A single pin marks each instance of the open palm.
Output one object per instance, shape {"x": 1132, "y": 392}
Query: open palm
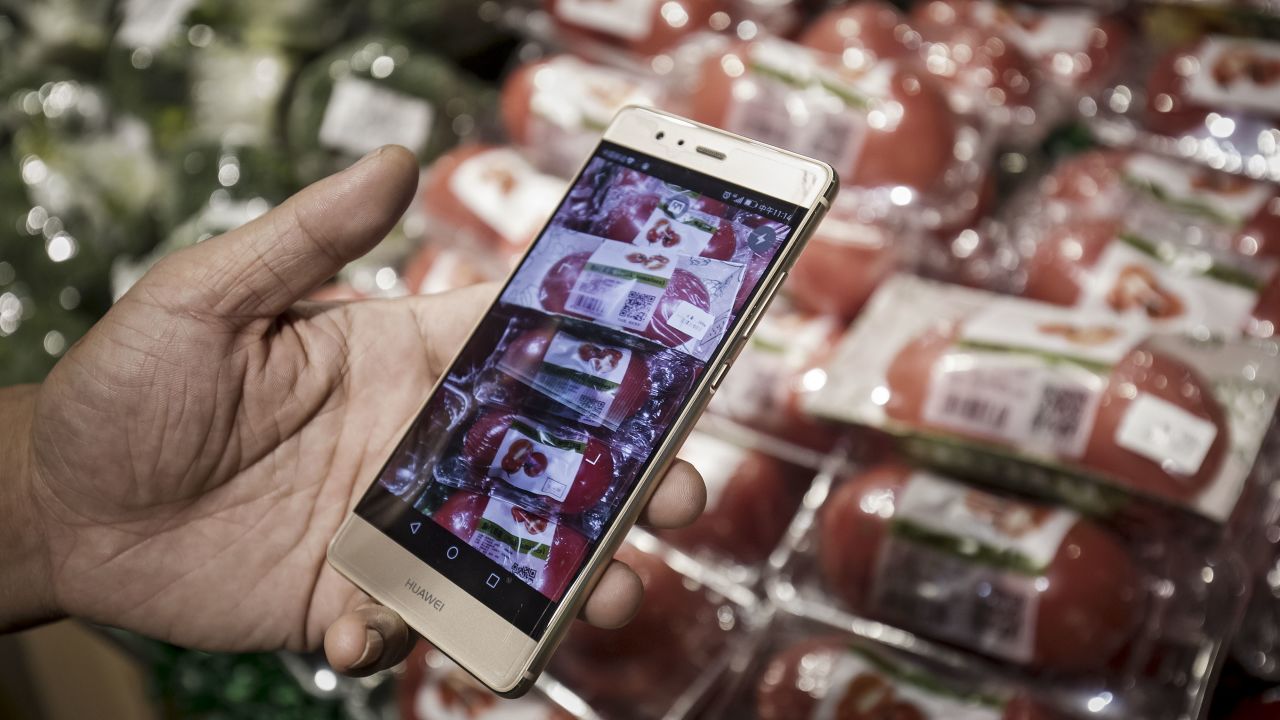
{"x": 193, "y": 455}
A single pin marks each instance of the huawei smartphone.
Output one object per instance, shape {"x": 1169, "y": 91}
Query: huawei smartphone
{"x": 517, "y": 480}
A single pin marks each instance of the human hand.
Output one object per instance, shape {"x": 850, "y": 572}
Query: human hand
{"x": 190, "y": 459}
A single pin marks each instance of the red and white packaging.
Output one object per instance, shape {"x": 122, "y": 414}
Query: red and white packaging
{"x": 540, "y": 552}
{"x": 1107, "y": 409}
{"x": 678, "y": 642}
{"x": 487, "y": 196}
{"x": 885, "y": 128}
{"x": 1224, "y": 211}
{"x": 1024, "y": 583}
{"x": 1215, "y": 100}
{"x": 640, "y": 28}
{"x": 1141, "y": 268}
{"x": 677, "y": 301}
{"x": 751, "y": 497}
{"x": 846, "y": 260}
{"x": 553, "y": 468}
{"x": 556, "y": 108}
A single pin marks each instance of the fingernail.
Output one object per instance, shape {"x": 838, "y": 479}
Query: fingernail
{"x": 369, "y": 156}
{"x": 372, "y": 649}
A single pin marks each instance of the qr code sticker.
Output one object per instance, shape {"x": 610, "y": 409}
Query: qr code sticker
{"x": 636, "y": 309}
{"x": 1061, "y": 412}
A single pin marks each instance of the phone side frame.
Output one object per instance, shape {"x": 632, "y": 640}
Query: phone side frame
{"x": 356, "y": 543}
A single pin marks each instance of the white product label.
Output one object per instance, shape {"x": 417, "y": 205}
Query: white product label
{"x": 716, "y": 460}
{"x": 506, "y": 192}
{"x": 577, "y": 96}
{"x": 788, "y": 99}
{"x": 855, "y": 687}
{"x": 534, "y": 460}
{"x": 1223, "y": 197}
{"x": 1237, "y": 73}
{"x": 1097, "y": 338}
{"x": 362, "y": 117}
{"x": 691, "y": 320}
{"x": 583, "y": 375}
{"x": 1178, "y": 294}
{"x": 673, "y": 228}
{"x": 148, "y": 23}
{"x": 621, "y": 284}
{"x": 1014, "y": 533}
{"x": 630, "y": 19}
{"x": 1165, "y": 433}
{"x": 1042, "y": 407}
{"x": 515, "y": 539}
{"x": 1038, "y": 33}
{"x": 965, "y": 565}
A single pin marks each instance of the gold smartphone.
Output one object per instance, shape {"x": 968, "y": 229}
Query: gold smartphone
{"x": 511, "y": 489}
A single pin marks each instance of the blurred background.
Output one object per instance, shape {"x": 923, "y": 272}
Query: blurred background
{"x": 994, "y": 147}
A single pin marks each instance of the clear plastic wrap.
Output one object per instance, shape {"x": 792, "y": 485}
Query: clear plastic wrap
{"x": 1171, "y": 244}
{"x": 885, "y": 127}
{"x": 1214, "y": 98}
{"x": 1077, "y": 615}
{"x": 662, "y": 664}
{"x": 1078, "y": 406}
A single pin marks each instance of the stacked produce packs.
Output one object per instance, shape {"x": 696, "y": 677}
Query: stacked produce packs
{"x": 1004, "y": 448}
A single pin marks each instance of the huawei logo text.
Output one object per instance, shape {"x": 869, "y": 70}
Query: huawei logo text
{"x": 423, "y": 593}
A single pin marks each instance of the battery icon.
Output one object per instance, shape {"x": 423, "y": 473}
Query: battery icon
{"x": 749, "y": 203}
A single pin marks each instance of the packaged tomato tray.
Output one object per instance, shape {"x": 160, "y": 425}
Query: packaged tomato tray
{"x": 1083, "y": 407}
{"x": 1064, "y": 611}
{"x": 662, "y": 665}
{"x": 1214, "y": 99}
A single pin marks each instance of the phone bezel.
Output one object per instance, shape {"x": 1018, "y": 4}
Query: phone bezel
{"x": 482, "y": 642}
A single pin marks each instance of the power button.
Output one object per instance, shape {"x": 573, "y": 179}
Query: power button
{"x": 718, "y": 375}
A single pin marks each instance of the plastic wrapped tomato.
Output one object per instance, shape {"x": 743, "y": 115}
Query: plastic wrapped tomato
{"x": 1022, "y": 582}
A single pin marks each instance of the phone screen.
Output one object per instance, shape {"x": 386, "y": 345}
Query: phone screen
{"x": 519, "y": 462}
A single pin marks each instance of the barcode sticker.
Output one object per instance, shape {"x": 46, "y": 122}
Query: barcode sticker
{"x": 362, "y": 117}
{"x": 1041, "y": 407}
{"x": 620, "y": 284}
{"x": 630, "y": 19}
{"x": 1165, "y": 433}
{"x": 917, "y": 586}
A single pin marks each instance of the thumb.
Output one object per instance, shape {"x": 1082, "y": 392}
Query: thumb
{"x": 259, "y": 270}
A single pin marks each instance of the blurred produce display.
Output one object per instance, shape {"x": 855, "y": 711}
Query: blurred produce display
{"x": 1005, "y": 448}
